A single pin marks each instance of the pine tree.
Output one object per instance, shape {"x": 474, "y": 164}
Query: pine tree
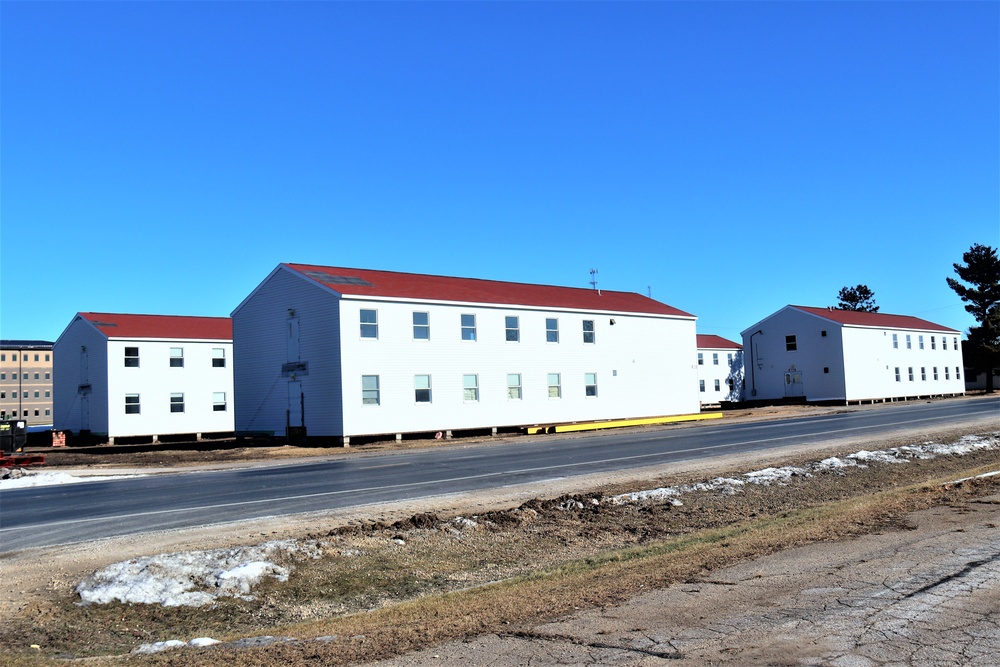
{"x": 857, "y": 298}
{"x": 981, "y": 272}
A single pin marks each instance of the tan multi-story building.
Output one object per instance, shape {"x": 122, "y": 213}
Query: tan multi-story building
{"x": 26, "y": 381}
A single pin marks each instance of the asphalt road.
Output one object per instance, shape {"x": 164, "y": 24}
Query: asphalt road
{"x": 65, "y": 514}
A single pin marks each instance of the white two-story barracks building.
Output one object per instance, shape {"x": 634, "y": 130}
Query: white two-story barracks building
{"x": 831, "y": 355}
{"x": 142, "y": 376}
{"x": 334, "y": 353}
{"x": 720, "y": 370}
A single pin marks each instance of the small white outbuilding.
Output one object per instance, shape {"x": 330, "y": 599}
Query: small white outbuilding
{"x": 843, "y": 356}
{"x": 143, "y": 376}
{"x": 327, "y": 352}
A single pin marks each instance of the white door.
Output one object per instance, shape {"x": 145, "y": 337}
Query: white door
{"x": 793, "y": 384}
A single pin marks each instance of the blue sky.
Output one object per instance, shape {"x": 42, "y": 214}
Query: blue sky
{"x": 728, "y": 158}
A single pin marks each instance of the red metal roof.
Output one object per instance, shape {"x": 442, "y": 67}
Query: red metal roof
{"x": 884, "y": 320}
{"x": 118, "y": 325}
{"x": 367, "y": 282}
{"x": 707, "y": 341}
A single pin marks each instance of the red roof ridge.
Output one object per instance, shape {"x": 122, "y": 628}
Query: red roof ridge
{"x": 864, "y": 318}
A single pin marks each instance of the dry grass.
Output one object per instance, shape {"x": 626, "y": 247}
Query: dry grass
{"x": 541, "y": 560}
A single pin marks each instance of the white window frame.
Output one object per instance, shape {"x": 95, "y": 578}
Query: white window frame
{"x": 219, "y": 401}
{"x": 701, "y": 386}
{"x": 899, "y": 378}
{"x": 418, "y": 389}
{"x": 177, "y": 357}
{"x": 555, "y": 385}
{"x": 131, "y": 360}
{"x": 895, "y": 341}
{"x": 715, "y": 358}
{"x": 590, "y": 385}
{"x": 177, "y": 401}
{"x": 589, "y": 332}
{"x": 133, "y": 401}
{"x": 369, "y": 329}
{"x": 421, "y": 330}
{"x": 468, "y": 330}
{"x": 370, "y": 395}
{"x": 470, "y": 388}
{"x": 512, "y": 334}
{"x": 514, "y": 390}
{"x": 551, "y": 329}
{"x": 701, "y": 358}
{"x": 218, "y": 357}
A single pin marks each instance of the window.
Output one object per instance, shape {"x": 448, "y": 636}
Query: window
{"x": 715, "y": 358}
{"x": 132, "y": 357}
{"x": 26, "y": 393}
{"x": 933, "y": 343}
{"x": 47, "y": 411}
{"x": 36, "y": 413}
{"x": 555, "y": 385}
{"x": 3, "y": 357}
{"x": 36, "y": 376}
{"x": 421, "y": 326}
{"x": 422, "y": 388}
{"x": 48, "y": 394}
{"x": 470, "y": 387}
{"x": 946, "y": 373}
{"x": 177, "y": 402}
{"x": 920, "y": 342}
{"x": 3, "y": 376}
{"x": 910, "y": 370}
{"x": 36, "y": 394}
{"x": 513, "y": 328}
{"x": 131, "y": 404}
{"x": 468, "y": 326}
{"x": 551, "y": 330}
{"x": 729, "y": 359}
{"x": 514, "y": 386}
{"x": 46, "y": 359}
{"x": 935, "y": 373}
{"x": 717, "y": 386}
{"x": 588, "y": 331}
{"x": 701, "y": 386}
{"x": 218, "y": 401}
{"x": 177, "y": 357}
{"x": 701, "y": 359}
{"x": 590, "y": 379}
{"x": 218, "y": 357}
{"x": 897, "y": 374}
{"x": 36, "y": 357}
{"x": 955, "y": 343}
{"x": 370, "y": 391}
{"x": 24, "y": 377}
{"x": 369, "y": 323}
{"x": 3, "y": 394}
{"x": 958, "y": 373}
{"x": 895, "y": 341}
{"x": 790, "y": 344}
{"x": 923, "y": 373}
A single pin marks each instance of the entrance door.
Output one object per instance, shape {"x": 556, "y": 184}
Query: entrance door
{"x": 793, "y": 384}
{"x": 295, "y": 404}
{"x": 83, "y": 391}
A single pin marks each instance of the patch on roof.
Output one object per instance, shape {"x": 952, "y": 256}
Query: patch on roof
{"x": 98, "y": 323}
{"x": 328, "y": 279}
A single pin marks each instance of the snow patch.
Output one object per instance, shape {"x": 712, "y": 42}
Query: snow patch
{"x": 32, "y": 479}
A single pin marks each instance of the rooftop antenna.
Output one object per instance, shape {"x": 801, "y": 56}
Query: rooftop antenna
{"x": 593, "y": 281}
{"x": 649, "y": 291}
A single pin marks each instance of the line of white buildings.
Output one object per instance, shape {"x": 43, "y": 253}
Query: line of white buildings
{"x": 330, "y": 354}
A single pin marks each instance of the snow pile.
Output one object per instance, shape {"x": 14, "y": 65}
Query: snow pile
{"x": 728, "y": 486}
{"x": 193, "y": 578}
{"x": 32, "y": 479}
{"x": 147, "y": 649}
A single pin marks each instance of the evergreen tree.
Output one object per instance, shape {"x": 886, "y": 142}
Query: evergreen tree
{"x": 981, "y": 294}
{"x": 857, "y": 298}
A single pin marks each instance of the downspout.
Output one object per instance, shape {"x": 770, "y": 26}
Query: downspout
{"x": 753, "y": 361}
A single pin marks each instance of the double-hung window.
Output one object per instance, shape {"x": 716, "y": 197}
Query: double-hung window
{"x": 513, "y": 328}
{"x": 218, "y": 401}
{"x": 131, "y": 404}
{"x": 218, "y": 357}
{"x": 468, "y": 326}
{"x": 701, "y": 386}
{"x": 514, "y": 386}
{"x": 895, "y": 341}
{"x": 177, "y": 357}
{"x": 790, "y": 344}
{"x": 369, "y": 323}
{"x": 701, "y": 359}
{"x": 588, "y": 331}
{"x": 910, "y": 372}
{"x": 909, "y": 345}
{"x": 177, "y": 402}
{"x": 131, "y": 357}
{"x": 370, "y": 390}
{"x": 555, "y": 385}
{"x": 897, "y": 375}
{"x": 551, "y": 330}
{"x": 422, "y": 388}
{"x": 590, "y": 380}
{"x": 421, "y": 326}
{"x": 920, "y": 342}
{"x": 717, "y": 386}
{"x": 715, "y": 358}
{"x": 470, "y": 388}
